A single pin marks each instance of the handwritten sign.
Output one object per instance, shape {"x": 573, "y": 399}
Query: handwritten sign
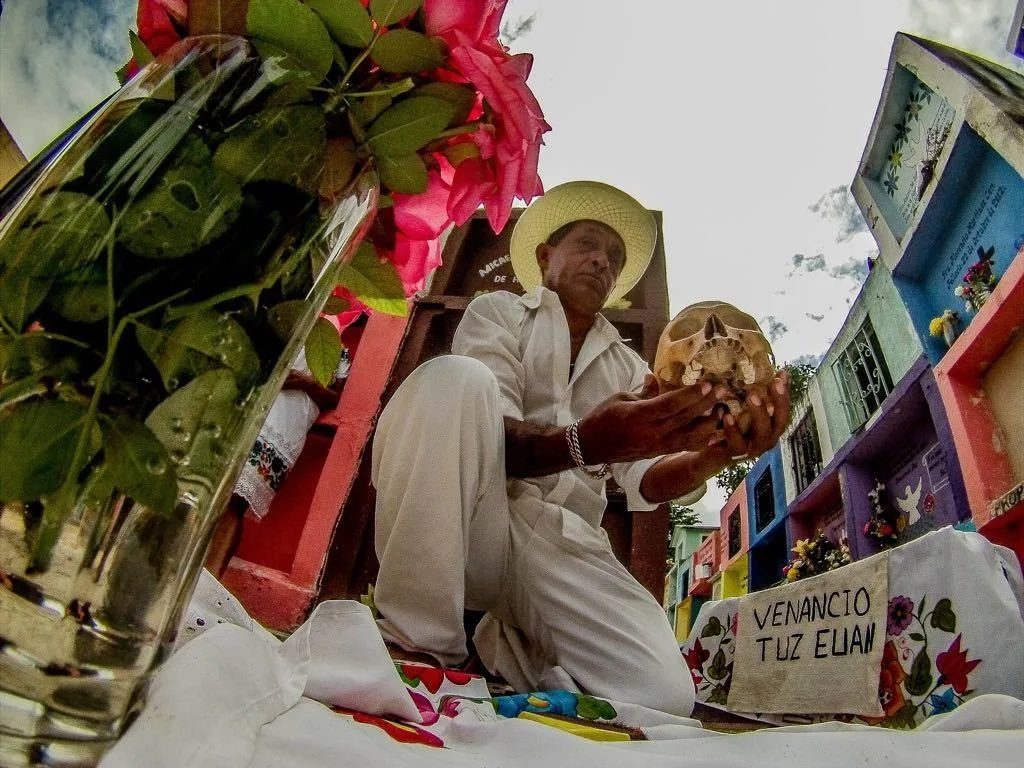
{"x": 814, "y": 646}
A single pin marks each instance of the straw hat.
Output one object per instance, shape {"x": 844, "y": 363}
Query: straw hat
{"x": 576, "y": 200}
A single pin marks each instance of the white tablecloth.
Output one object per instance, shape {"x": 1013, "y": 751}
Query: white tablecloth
{"x": 233, "y": 696}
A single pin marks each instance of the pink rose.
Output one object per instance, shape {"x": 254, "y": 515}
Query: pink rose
{"x": 160, "y": 23}
{"x": 424, "y": 216}
{"x": 478, "y": 21}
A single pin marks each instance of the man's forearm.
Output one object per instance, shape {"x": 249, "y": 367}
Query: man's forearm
{"x": 533, "y": 450}
{"x": 680, "y": 473}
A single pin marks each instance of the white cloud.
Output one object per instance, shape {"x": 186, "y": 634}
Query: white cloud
{"x": 57, "y": 61}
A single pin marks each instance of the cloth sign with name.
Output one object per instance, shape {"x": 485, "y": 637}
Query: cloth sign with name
{"x": 813, "y": 646}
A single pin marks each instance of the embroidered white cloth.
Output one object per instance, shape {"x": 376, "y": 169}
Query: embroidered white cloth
{"x": 953, "y": 629}
{"x": 234, "y": 698}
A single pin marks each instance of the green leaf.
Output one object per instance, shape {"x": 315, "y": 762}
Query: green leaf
{"x": 374, "y": 282}
{"x": 374, "y": 105}
{"x": 409, "y": 125}
{"x": 461, "y": 96}
{"x": 140, "y": 52}
{"x": 284, "y": 316}
{"x": 340, "y": 162}
{"x": 62, "y": 232}
{"x": 295, "y": 29}
{"x": 285, "y": 144}
{"x": 592, "y": 708}
{"x": 191, "y": 206}
{"x": 198, "y": 343}
{"x": 81, "y": 296}
{"x": 718, "y": 669}
{"x": 904, "y": 718}
{"x": 335, "y": 305}
{"x": 917, "y": 636}
{"x": 197, "y": 423}
{"x": 920, "y": 680}
{"x": 943, "y": 616}
{"x": 37, "y": 442}
{"x": 347, "y": 21}
{"x": 713, "y": 628}
{"x": 387, "y": 12}
{"x": 323, "y": 350}
{"x": 718, "y": 696}
{"x": 402, "y": 51}
{"x": 137, "y": 464}
{"x": 406, "y": 174}
{"x": 920, "y": 606}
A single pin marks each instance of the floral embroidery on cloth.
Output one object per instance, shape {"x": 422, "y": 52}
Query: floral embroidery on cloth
{"x": 925, "y": 668}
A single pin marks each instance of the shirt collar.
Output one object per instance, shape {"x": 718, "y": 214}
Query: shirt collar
{"x": 541, "y": 295}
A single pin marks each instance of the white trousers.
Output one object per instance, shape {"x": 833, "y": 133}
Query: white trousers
{"x": 449, "y": 538}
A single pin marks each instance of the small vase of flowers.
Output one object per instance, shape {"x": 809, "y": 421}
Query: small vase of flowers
{"x": 881, "y": 526}
{"x": 978, "y": 281}
{"x": 815, "y": 556}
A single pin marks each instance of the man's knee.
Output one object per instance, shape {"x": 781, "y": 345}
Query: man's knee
{"x": 669, "y": 687}
{"x": 457, "y": 372}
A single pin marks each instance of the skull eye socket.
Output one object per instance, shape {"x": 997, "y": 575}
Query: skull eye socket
{"x": 740, "y": 320}
{"x": 687, "y": 326}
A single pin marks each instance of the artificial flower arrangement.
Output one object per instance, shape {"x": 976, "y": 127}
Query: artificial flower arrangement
{"x": 422, "y": 91}
{"x": 178, "y": 242}
{"x": 978, "y": 281}
{"x": 944, "y": 325}
{"x": 814, "y": 556}
{"x": 882, "y": 525}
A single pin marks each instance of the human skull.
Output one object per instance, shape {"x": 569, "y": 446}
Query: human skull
{"x": 715, "y": 342}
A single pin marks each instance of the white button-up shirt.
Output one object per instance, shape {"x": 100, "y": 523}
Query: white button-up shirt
{"x": 524, "y": 341}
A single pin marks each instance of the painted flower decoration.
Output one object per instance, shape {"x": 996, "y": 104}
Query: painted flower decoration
{"x": 695, "y": 658}
{"x": 901, "y": 613}
{"x": 943, "y": 703}
{"x": 954, "y": 667}
{"x": 890, "y": 681}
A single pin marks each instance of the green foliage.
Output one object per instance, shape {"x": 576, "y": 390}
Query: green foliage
{"x": 294, "y": 28}
{"x": 799, "y": 380}
{"x": 403, "y": 51}
{"x": 375, "y": 282}
{"x": 730, "y": 477}
{"x": 323, "y": 350}
{"x": 409, "y": 125}
{"x": 389, "y": 11}
{"x": 38, "y": 441}
{"x": 347, "y": 21}
{"x": 406, "y": 174}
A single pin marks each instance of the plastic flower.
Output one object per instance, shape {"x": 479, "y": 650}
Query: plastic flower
{"x": 954, "y": 667}
{"x": 935, "y": 327}
{"x": 959, "y": 291}
{"x": 901, "y": 613}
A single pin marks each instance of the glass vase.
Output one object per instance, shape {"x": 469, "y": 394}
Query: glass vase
{"x": 156, "y": 281}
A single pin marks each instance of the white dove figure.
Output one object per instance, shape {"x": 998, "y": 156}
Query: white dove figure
{"x": 909, "y": 503}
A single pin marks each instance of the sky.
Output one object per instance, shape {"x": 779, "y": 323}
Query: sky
{"x": 742, "y": 121}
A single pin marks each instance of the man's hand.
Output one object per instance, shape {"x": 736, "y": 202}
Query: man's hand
{"x": 675, "y": 475}
{"x": 627, "y": 427}
{"x": 770, "y": 410}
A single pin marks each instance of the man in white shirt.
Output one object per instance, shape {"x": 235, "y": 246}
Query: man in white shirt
{"x": 490, "y": 467}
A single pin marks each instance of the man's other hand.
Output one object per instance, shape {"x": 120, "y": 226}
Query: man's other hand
{"x": 631, "y": 426}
